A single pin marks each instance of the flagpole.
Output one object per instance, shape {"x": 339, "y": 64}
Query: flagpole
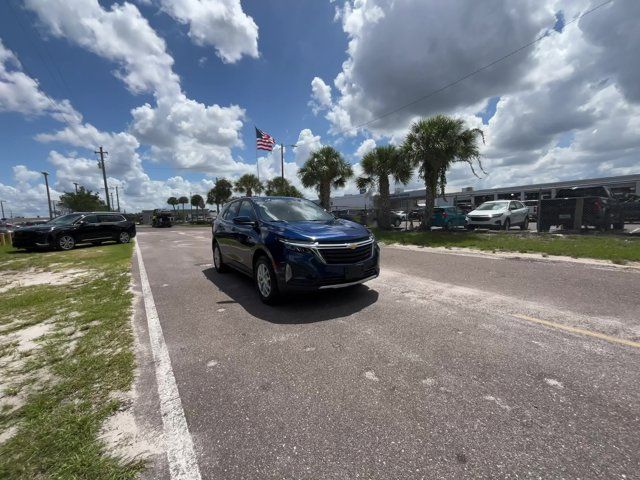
{"x": 257, "y": 166}
{"x": 282, "y": 160}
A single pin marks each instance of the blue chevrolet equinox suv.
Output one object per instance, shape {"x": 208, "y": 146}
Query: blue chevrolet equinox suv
{"x": 287, "y": 244}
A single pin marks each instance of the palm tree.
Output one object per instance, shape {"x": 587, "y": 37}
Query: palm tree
{"x": 183, "y": 201}
{"x": 324, "y": 169}
{"x": 248, "y": 184}
{"x": 377, "y": 166}
{"x": 197, "y": 201}
{"x": 433, "y": 145}
{"x": 281, "y": 187}
{"x": 173, "y": 201}
{"x": 220, "y": 193}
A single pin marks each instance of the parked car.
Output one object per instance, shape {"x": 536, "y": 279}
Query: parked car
{"x": 416, "y": 214}
{"x": 630, "y": 207}
{"x": 397, "y": 218}
{"x": 161, "y": 218}
{"x": 361, "y": 216}
{"x": 288, "y": 244}
{"x": 600, "y": 208}
{"x": 7, "y": 227}
{"x": 499, "y": 214}
{"x": 401, "y": 213}
{"x": 448, "y": 218}
{"x": 532, "y": 205}
{"x": 67, "y": 231}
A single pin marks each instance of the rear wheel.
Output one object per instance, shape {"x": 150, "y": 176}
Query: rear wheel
{"x": 218, "y": 262}
{"x": 124, "y": 237}
{"x": 266, "y": 282}
{"x": 66, "y": 242}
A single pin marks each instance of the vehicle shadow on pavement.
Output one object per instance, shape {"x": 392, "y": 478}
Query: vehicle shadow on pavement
{"x": 294, "y": 308}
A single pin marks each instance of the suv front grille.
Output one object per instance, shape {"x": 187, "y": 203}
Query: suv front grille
{"x": 347, "y": 254}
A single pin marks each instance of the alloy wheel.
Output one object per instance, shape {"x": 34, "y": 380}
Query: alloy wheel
{"x": 66, "y": 242}
{"x": 124, "y": 237}
{"x": 263, "y": 278}
{"x": 216, "y": 257}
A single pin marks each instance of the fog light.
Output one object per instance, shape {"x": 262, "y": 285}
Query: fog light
{"x": 287, "y": 273}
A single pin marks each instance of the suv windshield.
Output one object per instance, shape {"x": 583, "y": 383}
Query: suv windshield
{"x": 65, "y": 219}
{"x": 493, "y": 206}
{"x": 291, "y": 210}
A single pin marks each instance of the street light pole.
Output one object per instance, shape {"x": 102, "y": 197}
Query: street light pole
{"x": 46, "y": 182}
{"x": 2, "y": 207}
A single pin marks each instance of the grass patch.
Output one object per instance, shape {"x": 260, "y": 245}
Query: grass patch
{"x": 604, "y": 247}
{"x": 58, "y": 394}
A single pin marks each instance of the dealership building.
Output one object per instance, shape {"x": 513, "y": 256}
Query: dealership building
{"x": 407, "y": 200}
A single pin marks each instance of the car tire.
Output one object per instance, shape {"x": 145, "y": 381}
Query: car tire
{"x": 525, "y": 224}
{"x": 470, "y": 227}
{"x": 397, "y": 223}
{"x": 447, "y": 226}
{"x": 66, "y": 242}
{"x": 218, "y": 261}
{"x": 124, "y": 237}
{"x": 507, "y": 225}
{"x": 266, "y": 281}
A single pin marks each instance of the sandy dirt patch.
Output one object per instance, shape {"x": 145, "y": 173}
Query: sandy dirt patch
{"x": 30, "y": 278}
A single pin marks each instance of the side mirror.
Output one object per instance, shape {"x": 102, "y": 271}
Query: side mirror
{"x": 244, "y": 221}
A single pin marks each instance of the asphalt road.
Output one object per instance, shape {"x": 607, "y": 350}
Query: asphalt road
{"x": 437, "y": 369}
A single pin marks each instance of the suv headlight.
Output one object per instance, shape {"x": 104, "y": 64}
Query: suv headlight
{"x": 296, "y": 246}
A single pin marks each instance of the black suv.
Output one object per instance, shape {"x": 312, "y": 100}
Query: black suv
{"x": 68, "y": 230}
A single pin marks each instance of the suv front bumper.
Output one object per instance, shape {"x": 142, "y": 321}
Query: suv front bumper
{"x": 308, "y": 273}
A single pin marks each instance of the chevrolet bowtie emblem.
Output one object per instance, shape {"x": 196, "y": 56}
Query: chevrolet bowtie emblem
{"x": 351, "y": 246}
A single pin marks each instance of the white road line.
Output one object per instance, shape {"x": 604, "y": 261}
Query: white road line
{"x": 181, "y": 455}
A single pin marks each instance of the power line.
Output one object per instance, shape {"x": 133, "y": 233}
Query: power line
{"x": 468, "y": 75}
{"x": 60, "y": 79}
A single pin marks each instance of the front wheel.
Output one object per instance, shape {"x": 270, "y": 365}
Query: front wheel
{"x": 266, "y": 282}
{"x": 218, "y": 263}
{"x": 525, "y": 224}
{"x": 507, "y": 224}
{"x": 124, "y": 237}
{"x": 66, "y": 242}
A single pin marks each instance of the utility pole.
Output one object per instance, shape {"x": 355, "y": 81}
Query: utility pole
{"x": 111, "y": 193}
{"x": 76, "y": 185}
{"x": 46, "y": 182}
{"x": 282, "y": 160}
{"x": 118, "y": 198}
{"x": 102, "y": 153}
{"x": 2, "y": 207}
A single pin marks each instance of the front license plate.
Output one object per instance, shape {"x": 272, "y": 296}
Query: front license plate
{"x": 353, "y": 271}
{"x": 564, "y": 216}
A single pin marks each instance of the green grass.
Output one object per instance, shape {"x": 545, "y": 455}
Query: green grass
{"x": 67, "y": 385}
{"x": 604, "y": 247}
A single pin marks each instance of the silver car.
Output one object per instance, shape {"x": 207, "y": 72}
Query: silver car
{"x": 499, "y": 214}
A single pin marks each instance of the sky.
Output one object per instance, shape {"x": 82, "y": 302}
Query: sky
{"x": 172, "y": 89}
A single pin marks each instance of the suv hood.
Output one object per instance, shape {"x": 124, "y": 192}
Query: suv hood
{"x": 485, "y": 213}
{"x": 37, "y": 228}
{"x": 331, "y": 230}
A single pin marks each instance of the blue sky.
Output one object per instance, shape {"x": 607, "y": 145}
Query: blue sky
{"x": 273, "y": 89}
{"x": 173, "y": 88}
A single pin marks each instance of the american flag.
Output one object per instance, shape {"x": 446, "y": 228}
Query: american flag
{"x": 264, "y": 141}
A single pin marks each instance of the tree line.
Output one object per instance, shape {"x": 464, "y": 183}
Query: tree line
{"x": 431, "y": 147}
